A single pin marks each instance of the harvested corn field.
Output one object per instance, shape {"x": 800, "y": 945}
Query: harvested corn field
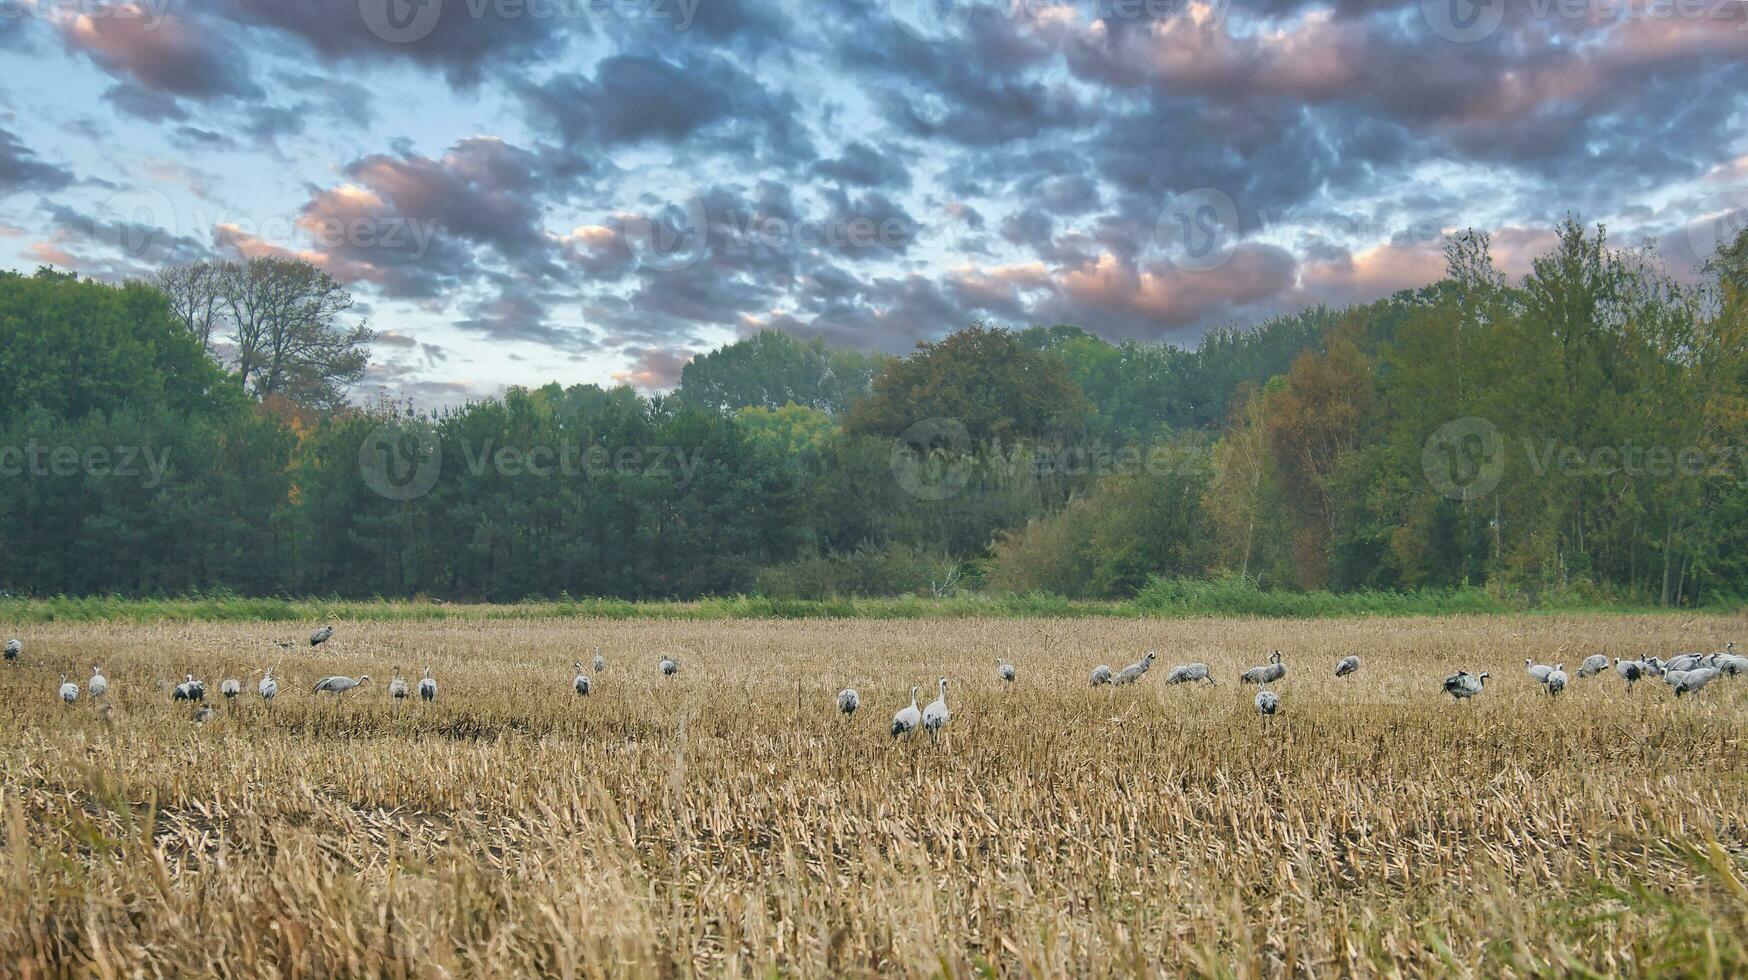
{"x": 730, "y": 819}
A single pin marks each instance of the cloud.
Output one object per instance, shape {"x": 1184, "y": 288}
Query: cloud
{"x": 698, "y": 98}
{"x": 179, "y": 56}
{"x": 23, "y": 170}
{"x": 653, "y": 368}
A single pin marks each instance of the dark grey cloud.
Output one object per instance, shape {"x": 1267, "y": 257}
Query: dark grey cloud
{"x": 22, "y": 170}
{"x": 864, "y": 165}
{"x": 456, "y": 43}
{"x": 696, "y": 98}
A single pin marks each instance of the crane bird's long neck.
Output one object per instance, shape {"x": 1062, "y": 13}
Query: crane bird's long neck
{"x": 913, "y": 697}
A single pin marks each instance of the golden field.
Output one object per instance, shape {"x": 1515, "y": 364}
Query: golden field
{"x": 730, "y": 821}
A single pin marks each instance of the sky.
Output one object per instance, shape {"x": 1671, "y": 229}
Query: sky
{"x": 592, "y": 191}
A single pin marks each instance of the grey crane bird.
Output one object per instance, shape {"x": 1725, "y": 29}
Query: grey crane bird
{"x": 1692, "y": 681}
{"x": 427, "y": 686}
{"x": 230, "y": 687}
{"x": 849, "y": 700}
{"x": 189, "y": 690}
{"x": 936, "y": 715}
{"x": 1686, "y": 661}
{"x": 581, "y": 682}
{"x": 1557, "y": 680}
{"x": 69, "y": 690}
{"x": 98, "y": 685}
{"x": 1347, "y": 665}
{"x": 670, "y": 666}
{"x": 1005, "y": 671}
{"x": 1463, "y": 685}
{"x": 202, "y": 714}
{"x": 339, "y": 683}
{"x": 1133, "y": 672}
{"x": 1189, "y": 673}
{"x": 1651, "y": 666}
{"x": 907, "y": 719}
{"x": 268, "y": 688}
{"x": 13, "y": 648}
{"x": 1267, "y": 703}
{"x": 1268, "y": 673}
{"x": 1594, "y": 664}
{"x": 1101, "y": 675}
{"x": 1630, "y": 670}
{"x": 322, "y": 635}
{"x": 600, "y": 661}
{"x": 1539, "y": 671}
{"x": 397, "y": 688}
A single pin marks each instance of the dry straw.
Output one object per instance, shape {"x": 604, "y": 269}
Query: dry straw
{"x": 705, "y": 824}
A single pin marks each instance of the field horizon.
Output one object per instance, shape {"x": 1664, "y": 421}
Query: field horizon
{"x": 729, "y": 820}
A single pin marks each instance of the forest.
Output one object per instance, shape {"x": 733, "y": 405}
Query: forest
{"x": 1580, "y": 432}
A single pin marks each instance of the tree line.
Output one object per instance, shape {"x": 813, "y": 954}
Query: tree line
{"x": 1579, "y": 431}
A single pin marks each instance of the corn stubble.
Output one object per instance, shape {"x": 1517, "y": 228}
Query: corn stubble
{"x": 730, "y": 821}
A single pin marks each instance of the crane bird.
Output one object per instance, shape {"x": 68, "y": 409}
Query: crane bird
{"x": 670, "y": 666}
{"x": 69, "y": 690}
{"x": 849, "y": 700}
{"x": 189, "y": 690}
{"x": 427, "y": 686}
{"x": 1347, "y": 665}
{"x": 1268, "y": 673}
{"x": 339, "y": 683}
{"x": 13, "y": 649}
{"x": 1267, "y": 704}
{"x": 321, "y": 636}
{"x": 1463, "y": 685}
{"x": 1693, "y": 681}
{"x": 1557, "y": 680}
{"x": 1630, "y": 670}
{"x": 1651, "y": 667}
{"x": 1539, "y": 671}
{"x": 1594, "y": 664}
{"x": 907, "y": 719}
{"x": 1101, "y": 675}
{"x": 936, "y": 715}
{"x": 1686, "y": 661}
{"x": 397, "y": 688}
{"x": 1005, "y": 670}
{"x": 230, "y": 687}
{"x": 581, "y": 682}
{"x": 203, "y": 714}
{"x": 98, "y": 685}
{"x": 268, "y": 687}
{"x": 1131, "y": 673}
{"x": 600, "y": 661}
{"x": 1188, "y": 673}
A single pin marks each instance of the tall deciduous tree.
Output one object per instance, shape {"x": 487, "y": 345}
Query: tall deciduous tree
{"x": 196, "y": 295}
{"x": 996, "y": 387}
{"x": 284, "y": 317}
